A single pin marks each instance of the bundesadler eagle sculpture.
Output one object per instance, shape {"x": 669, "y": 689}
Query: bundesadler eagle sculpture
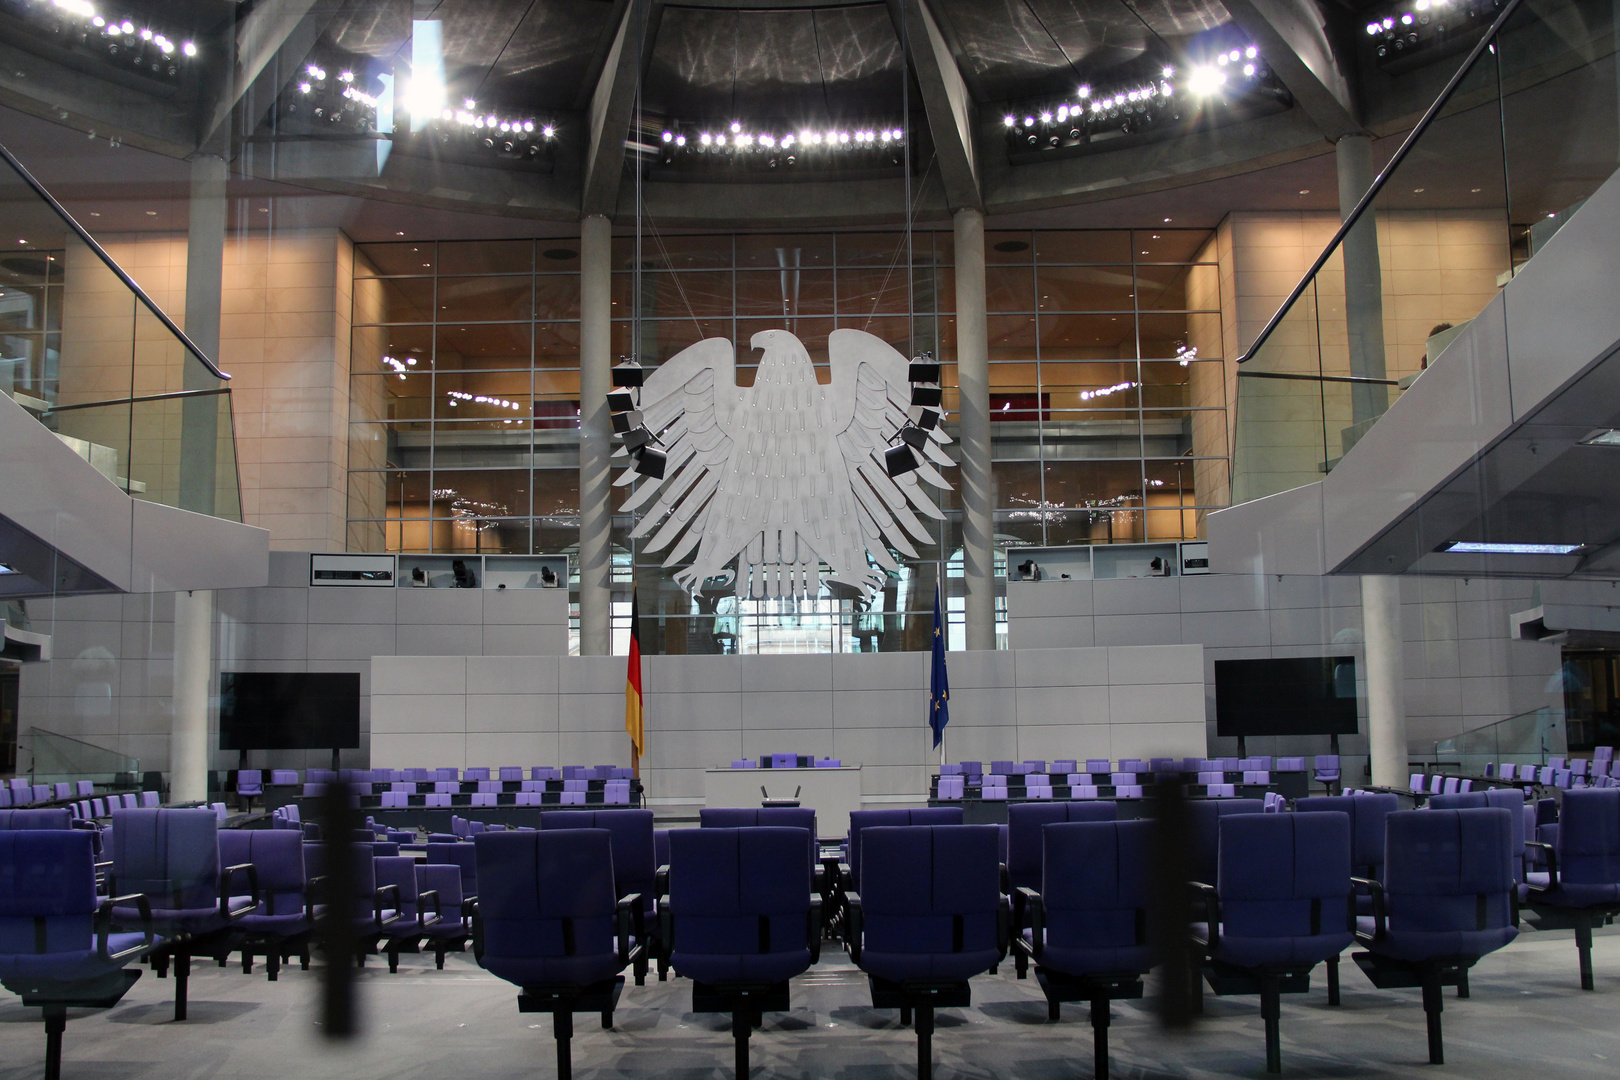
{"x": 787, "y": 476}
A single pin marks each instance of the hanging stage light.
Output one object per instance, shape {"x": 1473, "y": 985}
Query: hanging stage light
{"x": 927, "y": 396}
{"x": 928, "y": 419}
{"x": 914, "y": 437}
{"x": 621, "y": 401}
{"x": 650, "y": 462}
{"x": 626, "y": 422}
{"x": 628, "y": 372}
{"x": 636, "y": 437}
{"x": 924, "y": 369}
{"x": 899, "y": 460}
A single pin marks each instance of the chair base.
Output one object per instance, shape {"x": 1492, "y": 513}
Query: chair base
{"x": 921, "y": 997}
{"x": 1270, "y": 983}
{"x": 562, "y": 1002}
{"x": 1098, "y": 989}
{"x": 746, "y": 1002}
{"x": 1580, "y": 920}
{"x": 1387, "y": 973}
{"x": 55, "y": 998}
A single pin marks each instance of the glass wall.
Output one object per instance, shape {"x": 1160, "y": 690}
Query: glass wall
{"x": 1105, "y": 354}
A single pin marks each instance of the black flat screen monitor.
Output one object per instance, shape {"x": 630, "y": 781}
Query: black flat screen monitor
{"x": 1310, "y": 695}
{"x": 289, "y": 710}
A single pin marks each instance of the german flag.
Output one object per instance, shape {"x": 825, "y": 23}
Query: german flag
{"x": 632, "y": 683}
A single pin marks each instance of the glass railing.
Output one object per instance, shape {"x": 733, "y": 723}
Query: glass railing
{"x": 1526, "y": 739}
{"x": 59, "y": 758}
{"x": 89, "y": 353}
{"x": 1522, "y": 134}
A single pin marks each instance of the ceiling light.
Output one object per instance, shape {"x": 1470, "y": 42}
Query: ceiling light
{"x": 1480, "y": 547}
{"x": 1602, "y": 437}
{"x": 1205, "y": 81}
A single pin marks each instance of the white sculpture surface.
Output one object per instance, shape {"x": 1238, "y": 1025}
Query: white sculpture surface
{"x": 788, "y": 474}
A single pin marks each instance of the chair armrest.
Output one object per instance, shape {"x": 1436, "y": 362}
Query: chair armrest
{"x": 846, "y": 876}
{"x": 225, "y": 879}
{"x": 1211, "y": 899}
{"x": 104, "y": 925}
{"x": 812, "y": 930}
{"x": 438, "y": 907}
{"x": 1552, "y": 866}
{"x": 1034, "y": 920}
{"x": 661, "y": 881}
{"x": 377, "y": 902}
{"x": 313, "y": 887}
{"x": 628, "y": 918}
{"x": 666, "y": 927}
{"x": 1380, "y": 912}
{"x": 852, "y": 925}
{"x": 1006, "y": 879}
{"x": 1003, "y": 925}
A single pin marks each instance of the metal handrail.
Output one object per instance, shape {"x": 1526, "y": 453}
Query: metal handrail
{"x": 101, "y": 253}
{"x": 1304, "y": 377}
{"x": 1383, "y": 177}
{"x": 171, "y": 396}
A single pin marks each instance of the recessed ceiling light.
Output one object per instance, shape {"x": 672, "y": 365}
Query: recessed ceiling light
{"x": 1480, "y": 547}
{"x": 1167, "y": 221}
{"x": 399, "y": 234}
{"x": 1602, "y": 437}
{"x": 264, "y": 209}
{"x": 95, "y": 213}
{"x": 1418, "y": 190}
{"x": 1304, "y": 191}
{"x": 1474, "y": 190}
{"x": 151, "y": 213}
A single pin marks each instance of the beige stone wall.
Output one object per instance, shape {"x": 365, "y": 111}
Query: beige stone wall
{"x": 1208, "y": 379}
{"x": 1437, "y": 266}
{"x": 284, "y": 337}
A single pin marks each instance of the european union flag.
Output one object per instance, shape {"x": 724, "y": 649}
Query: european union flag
{"x": 939, "y": 687}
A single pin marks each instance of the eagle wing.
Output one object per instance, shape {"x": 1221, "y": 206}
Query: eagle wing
{"x": 871, "y": 393}
{"x": 689, "y": 402}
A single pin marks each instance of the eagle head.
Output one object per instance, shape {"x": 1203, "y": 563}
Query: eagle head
{"x": 785, "y": 361}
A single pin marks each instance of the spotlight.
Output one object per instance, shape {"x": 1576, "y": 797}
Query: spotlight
{"x": 928, "y": 419}
{"x": 627, "y": 373}
{"x": 899, "y": 460}
{"x": 927, "y": 396}
{"x": 924, "y": 369}
{"x": 621, "y": 401}
{"x": 651, "y": 462}
{"x": 914, "y": 437}
{"x": 636, "y": 437}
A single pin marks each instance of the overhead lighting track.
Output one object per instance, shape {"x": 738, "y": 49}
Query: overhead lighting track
{"x": 1416, "y": 33}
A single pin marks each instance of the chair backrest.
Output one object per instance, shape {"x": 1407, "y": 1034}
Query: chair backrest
{"x": 1024, "y": 824}
{"x": 170, "y": 855}
{"x": 1096, "y": 887}
{"x": 446, "y": 881}
{"x": 47, "y": 895}
{"x": 277, "y": 856}
{"x": 1588, "y": 845}
{"x": 249, "y": 781}
{"x": 1206, "y": 836}
{"x": 1448, "y": 882}
{"x": 1098, "y": 766}
{"x": 547, "y": 905}
{"x": 479, "y": 773}
{"x": 54, "y": 817}
{"x": 400, "y": 870}
{"x": 462, "y": 856}
{"x": 634, "y": 864}
{"x": 1327, "y": 766}
{"x": 1367, "y": 813}
{"x": 740, "y": 900}
{"x": 284, "y": 776}
{"x": 1290, "y": 764}
{"x": 930, "y": 894}
{"x": 865, "y": 819}
{"x": 748, "y": 817}
{"x": 1283, "y": 876}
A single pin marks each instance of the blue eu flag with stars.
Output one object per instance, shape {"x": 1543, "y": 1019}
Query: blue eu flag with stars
{"x": 939, "y": 686}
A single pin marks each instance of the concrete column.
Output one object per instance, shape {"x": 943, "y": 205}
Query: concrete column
{"x": 595, "y": 435}
{"x": 1386, "y": 679}
{"x": 205, "y": 275}
{"x": 193, "y": 674}
{"x": 973, "y": 418}
{"x": 1363, "y": 284}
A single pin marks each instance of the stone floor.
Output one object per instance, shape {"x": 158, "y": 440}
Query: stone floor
{"x": 1526, "y": 1014}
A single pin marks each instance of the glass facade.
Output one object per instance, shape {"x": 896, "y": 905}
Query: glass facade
{"x": 1107, "y": 396}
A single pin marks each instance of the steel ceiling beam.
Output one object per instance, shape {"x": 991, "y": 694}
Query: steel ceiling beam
{"x": 1299, "y": 41}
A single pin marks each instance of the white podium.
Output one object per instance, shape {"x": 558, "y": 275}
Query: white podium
{"x": 831, "y": 793}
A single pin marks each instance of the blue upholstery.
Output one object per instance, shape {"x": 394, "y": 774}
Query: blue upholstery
{"x": 863, "y": 819}
{"x": 1096, "y": 885}
{"x": 634, "y": 862}
{"x": 1368, "y": 813}
{"x": 1284, "y": 885}
{"x": 931, "y": 902}
{"x": 462, "y": 856}
{"x": 1024, "y": 829}
{"x": 47, "y": 912}
{"x": 1441, "y": 867}
{"x": 59, "y": 817}
{"x": 278, "y": 859}
{"x": 1587, "y": 852}
{"x": 172, "y": 856}
{"x": 547, "y": 906}
{"x": 739, "y": 904}
{"x": 1206, "y": 815}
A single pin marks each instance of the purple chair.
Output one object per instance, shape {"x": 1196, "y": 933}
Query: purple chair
{"x": 528, "y": 798}
{"x": 740, "y": 920}
{"x": 994, "y": 792}
{"x": 1003, "y": 768}
{"x": 249, "y": 786}
{"x": 1290, "y": 764}
{"x": 172, "y": 858}
{"x": 1581, "y": 886}
{"x": 952, "y": 787}
{"x": 551, "y": 922}
{"x": 745, "y": 763}
{"x": 1086, "y": 929}
{"x": 930, "y": 915}
{"x": 479, "y": 774}
{"x": 279, "y": 926}
{"x": 1133, "y": 765}
{"x": 1446, "y": 900}
{"x": 84, "y": 788}
{"x": 483, "y": 798}
{"x": 784, "y": 761}
{"x": 860, "y": 820}
{"x": 57, "y": 949}
{"x": 1024, "y": 825}
{"x": 635, "y": 866}
{"x": 446, "y": 787}
{"x": 828, "y": 763}
{"x": 511, "y": 774}
{"x": 544, "y": 772}
{"x": 1327, "y": 771}
{"x": 1280, "y": 906}
{"x": 404, "y": 934}
{"x": 446, "y": 775}
{"x": 395, "y": 800}
{"x": 284, "y": 777}
{"x": 463, "y": 857}
{"x": 616, "y": 792}
{"x": 443, "y": 884}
